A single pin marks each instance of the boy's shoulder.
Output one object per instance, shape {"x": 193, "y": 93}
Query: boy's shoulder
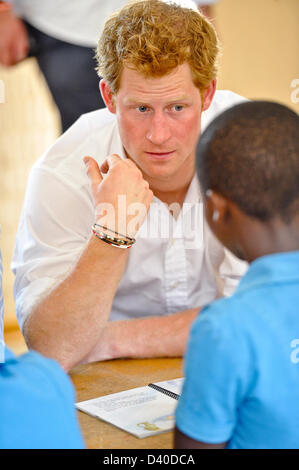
{"x": 35, "y": 393}
{"x": 231, "y": 308}
{"x": 269, "y": 289}
{"x": 232, "y": 318}
{"x": 26, "y": 370}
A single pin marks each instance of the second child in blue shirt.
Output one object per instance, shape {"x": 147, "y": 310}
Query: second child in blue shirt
{"x": 242, "y": 362}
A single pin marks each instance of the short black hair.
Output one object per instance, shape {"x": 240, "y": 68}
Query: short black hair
{"x": 250, "y": 154}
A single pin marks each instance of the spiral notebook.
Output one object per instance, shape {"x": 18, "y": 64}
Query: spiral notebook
{"x": 143, "y": 411}
{"x": 160, "y": 389}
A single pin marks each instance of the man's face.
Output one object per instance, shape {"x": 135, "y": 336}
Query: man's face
{"x": 159, "y": 121}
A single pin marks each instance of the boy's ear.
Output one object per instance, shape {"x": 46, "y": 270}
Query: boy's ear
{"x": 107, "y": 96}
{"x": 216, "y": 208}
{"x": 209, "y": 94}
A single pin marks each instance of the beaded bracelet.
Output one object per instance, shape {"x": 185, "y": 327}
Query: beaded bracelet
{"x": 118, "y": 242}
{"x": 131, "y": 240}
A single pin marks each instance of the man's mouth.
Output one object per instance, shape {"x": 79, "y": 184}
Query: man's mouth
{"x": 160, "y": 155}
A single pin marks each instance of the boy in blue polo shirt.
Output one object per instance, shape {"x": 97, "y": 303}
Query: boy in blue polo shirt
{"x": 37, "y": 408}
{"x": 242, "y": 362}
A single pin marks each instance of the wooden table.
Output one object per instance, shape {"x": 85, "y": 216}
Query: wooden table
{"x": 101, "y": 378}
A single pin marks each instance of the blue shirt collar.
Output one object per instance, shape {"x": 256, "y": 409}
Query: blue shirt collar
{"x": 275, "y": 268}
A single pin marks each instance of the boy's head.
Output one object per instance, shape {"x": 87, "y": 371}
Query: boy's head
{"x": 248, "y": 167}
{"x": 154, "y": 37}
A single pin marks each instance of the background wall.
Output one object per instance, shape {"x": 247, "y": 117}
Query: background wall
{"x": 259, "y": 60}
{"x": 260, "y": 41}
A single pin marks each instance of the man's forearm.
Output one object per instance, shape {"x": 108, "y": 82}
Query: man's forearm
{"x": 68, "y": 322}
{"x": 145, "y": 337}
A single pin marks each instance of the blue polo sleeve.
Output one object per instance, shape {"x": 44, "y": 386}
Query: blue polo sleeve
{"x": 216, "y": 365}
{"x": 37, "y": 405}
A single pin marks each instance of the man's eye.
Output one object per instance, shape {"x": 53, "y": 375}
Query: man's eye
{"x": 178, "y": 107}
{"x": 142, "y": 109}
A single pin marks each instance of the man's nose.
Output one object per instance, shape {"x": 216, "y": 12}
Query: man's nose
{"x": 159, "y": 130}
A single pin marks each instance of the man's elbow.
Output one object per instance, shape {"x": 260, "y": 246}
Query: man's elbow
{"x": 38, "y": 339}
{"x": 27, "y": 333}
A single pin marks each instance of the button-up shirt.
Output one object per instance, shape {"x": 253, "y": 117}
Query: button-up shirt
{"x": 176, "y": 264}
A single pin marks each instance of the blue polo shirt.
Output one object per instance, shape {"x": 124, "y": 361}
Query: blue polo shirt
{"x": 36, "y": 404}
{"x": 1, "y": 313}
{"x": 242, "y": 362}
{"x": 36, "y": 400}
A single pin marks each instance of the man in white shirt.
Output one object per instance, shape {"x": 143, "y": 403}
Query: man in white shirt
{"x": 159, "y": 86}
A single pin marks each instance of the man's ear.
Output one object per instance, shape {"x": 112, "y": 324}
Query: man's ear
{"x": 107, "y": 96}
{"x": 209, "y": 94}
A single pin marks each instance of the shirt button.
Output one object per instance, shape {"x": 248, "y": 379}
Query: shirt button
{"x": 175, "y": 284}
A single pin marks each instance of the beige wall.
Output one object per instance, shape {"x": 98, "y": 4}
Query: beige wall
{"x": 260, "y": 60}
{"x": 260, "y": 41}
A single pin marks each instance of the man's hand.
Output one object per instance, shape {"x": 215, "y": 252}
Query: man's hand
{"x": 122, "y": 198}
{"x": 14, "y": 43}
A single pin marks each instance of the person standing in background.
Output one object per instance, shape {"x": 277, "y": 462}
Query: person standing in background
{"x": 62, "y": 35}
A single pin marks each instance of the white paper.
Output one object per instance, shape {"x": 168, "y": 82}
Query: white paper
{"x": 141, "y": 411}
